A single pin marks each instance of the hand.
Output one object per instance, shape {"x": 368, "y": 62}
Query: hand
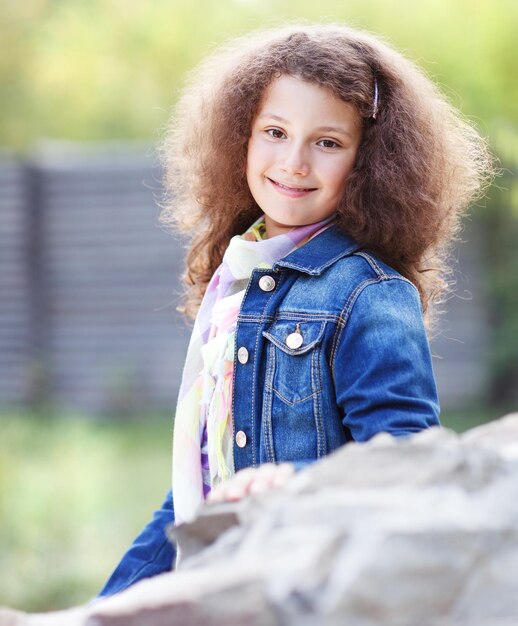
{"x": 251, "y": 480}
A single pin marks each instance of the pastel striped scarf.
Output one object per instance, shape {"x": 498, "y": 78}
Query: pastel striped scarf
{"x": 202, "y": 441}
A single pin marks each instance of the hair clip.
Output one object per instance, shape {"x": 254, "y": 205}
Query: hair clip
{"x": 375, "y": 100}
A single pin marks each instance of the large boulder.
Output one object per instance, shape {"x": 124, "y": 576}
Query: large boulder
{"x": 421, "y": 531}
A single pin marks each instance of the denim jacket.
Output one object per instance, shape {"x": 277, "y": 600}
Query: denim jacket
{"x": 330, "y": 348}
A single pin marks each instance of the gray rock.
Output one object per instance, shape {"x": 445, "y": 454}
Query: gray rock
{"x": 415, "y": 532}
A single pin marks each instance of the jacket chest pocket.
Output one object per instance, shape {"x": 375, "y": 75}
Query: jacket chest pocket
{"x": 293, "y": 370}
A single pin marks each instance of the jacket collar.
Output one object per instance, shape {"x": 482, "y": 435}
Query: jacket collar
{"x": 320, "y": 252}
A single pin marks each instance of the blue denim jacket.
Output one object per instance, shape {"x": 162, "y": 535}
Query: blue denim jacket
{"x": 330, "y": 347}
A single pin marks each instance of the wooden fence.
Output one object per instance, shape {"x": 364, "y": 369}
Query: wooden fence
{"x": 89, "y": 284}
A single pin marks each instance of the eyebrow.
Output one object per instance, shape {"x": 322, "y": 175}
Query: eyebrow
{"x": 322, "y": 129}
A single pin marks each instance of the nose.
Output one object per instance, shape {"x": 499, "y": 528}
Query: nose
{"x": 295, "y": 160}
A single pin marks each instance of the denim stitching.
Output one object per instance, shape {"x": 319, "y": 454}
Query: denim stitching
{"x": 243, "y": 318}
{"x": 252, "y": 317}
{"x": 324, "y": 435}
{"x": 295, "y": 353}
{"x": 291, "y": 351}
{"x": 239, "y": 318}
{"x": 305, "y": 315}
{"x": 254, "y": 368}
{"x": 372, "y": 262}
{"x": 347, "y": 309}
{"x": 294, "y": 402}
{"x": 268, "y": 401}
{"x": 317, "y": 412}
{"x": 254, "y": 371}
{"x": 317, "y": 271}
{"x": 289, "y": 315}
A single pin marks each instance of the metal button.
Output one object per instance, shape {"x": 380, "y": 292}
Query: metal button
{"x": 267, "y": 283}
{"x": 294, "y": 340}
{"x": 242, "y": 355}
{"x": 241, "y": 438}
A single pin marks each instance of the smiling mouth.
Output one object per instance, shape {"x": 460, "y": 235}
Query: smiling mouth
{"x": 292, "y": 190}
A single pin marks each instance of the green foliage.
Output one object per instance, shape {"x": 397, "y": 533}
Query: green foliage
{"x": 460, "y": 421}
{"x": 501, "y": 236}
{"x": 111, "y": 69}
{"x": 74, "y": 494}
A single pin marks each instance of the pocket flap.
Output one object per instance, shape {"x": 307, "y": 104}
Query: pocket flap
{"x": 310, "y": 332}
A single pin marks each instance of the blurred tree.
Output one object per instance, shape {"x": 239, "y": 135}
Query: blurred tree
{"x": 109, "y": 69}
{"x": 500, "y": 223}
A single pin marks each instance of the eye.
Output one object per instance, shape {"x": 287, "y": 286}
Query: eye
{"x": 328, "y": 143}
{"x": 276, "y": 133}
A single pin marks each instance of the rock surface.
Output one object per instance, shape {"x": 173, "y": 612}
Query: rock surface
{"x": 414, "y": 532}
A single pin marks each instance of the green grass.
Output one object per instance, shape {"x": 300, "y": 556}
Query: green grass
{"x": 74, "y": 492}
{"x": 463, "y": 420}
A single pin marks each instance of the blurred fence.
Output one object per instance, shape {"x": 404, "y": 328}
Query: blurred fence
{"x": 89, "y": 284}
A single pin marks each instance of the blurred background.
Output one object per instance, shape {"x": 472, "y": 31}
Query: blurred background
{"x": 91, "y": 345}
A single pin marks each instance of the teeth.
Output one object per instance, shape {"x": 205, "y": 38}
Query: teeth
{"x": 293, "y": 188}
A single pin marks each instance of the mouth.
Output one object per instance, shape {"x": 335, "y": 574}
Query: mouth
{"x": 291, "y": 191}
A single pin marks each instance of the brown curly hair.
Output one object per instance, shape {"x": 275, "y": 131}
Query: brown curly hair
{"x": 418, "y": 166}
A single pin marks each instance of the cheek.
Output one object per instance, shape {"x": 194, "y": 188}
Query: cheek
{"x": 254, "y": 169}
{"x": 250, "y": 172}
{"x": 251, "y": 167}
{"x": 249, "y": 175}
{"x": 337, "y": 177}
{"x": 337, "y": 180}
{"x": 248, "y": 157}
{"x": 259, "y": 158}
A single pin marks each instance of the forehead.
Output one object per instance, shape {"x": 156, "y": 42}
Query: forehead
{"x": 292, "y": 98}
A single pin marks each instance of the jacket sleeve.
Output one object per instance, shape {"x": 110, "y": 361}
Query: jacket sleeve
{"x": 150, "y": 554}
{"x": 382, "y": 365}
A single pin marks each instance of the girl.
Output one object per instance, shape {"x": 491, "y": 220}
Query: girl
{"x": 322, "y": 178}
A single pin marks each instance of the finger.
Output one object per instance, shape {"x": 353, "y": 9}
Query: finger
{"x": 267, "y": 469}
{"x": 240, "y": 480}
{"x": 287, "y": 469}
{"x": 215, "y": 495}
{"x": 230, "y": 490}
{"x": 260, "y": 485}
{"x": 244, "y": 476}
{"x": 283, "y": 475}
{"x": 251, "y": 480}
{"x": 233, "y": 493}
{"x": 251, "y": 476}
{"x": 275, "y": 479}
{"x": 274, "y": 475}
{"x": 223, "y": 494}
{"x": 218, "y": 492}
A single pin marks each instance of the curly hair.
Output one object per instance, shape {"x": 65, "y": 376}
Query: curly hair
{"x": 418, "y": 167}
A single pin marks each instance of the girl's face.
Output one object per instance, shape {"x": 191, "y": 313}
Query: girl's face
{"x": 302, "y": 147}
